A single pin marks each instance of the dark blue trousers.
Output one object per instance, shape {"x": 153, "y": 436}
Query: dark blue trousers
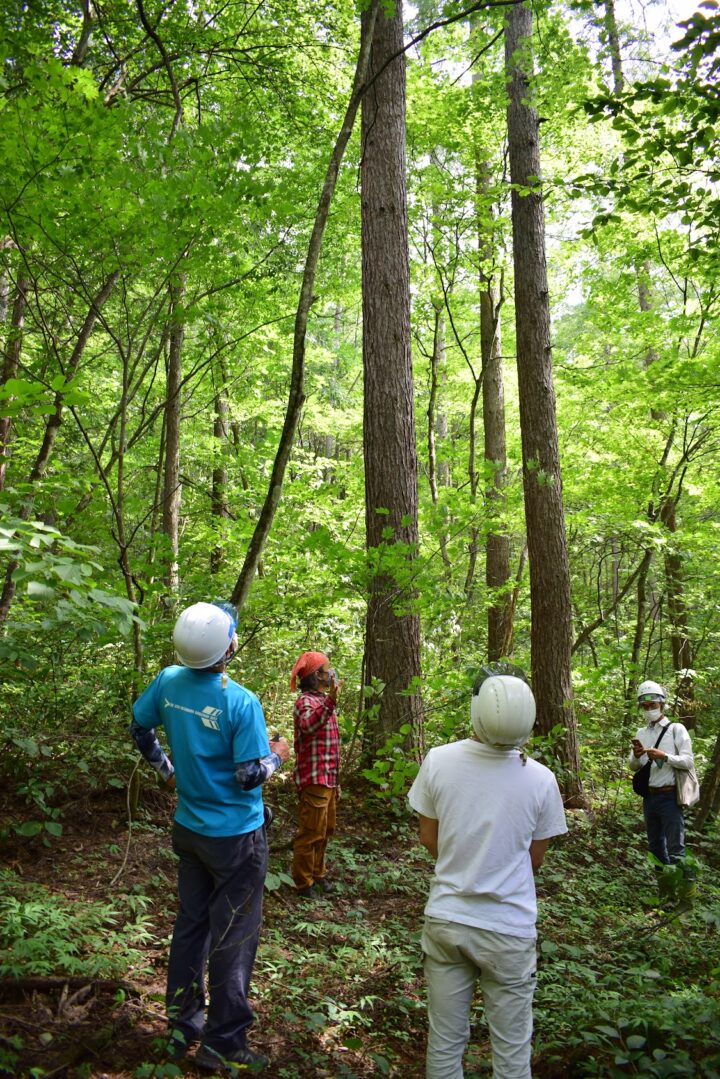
{"x": 220, "y": 886}
{"x": 665, "y": 826}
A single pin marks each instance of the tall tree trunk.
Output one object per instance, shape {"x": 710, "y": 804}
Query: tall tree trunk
{"x": 11, "y": 358}
{"x": 172, "y": 490}
{"x": 473, "y": 478}
{"x": 434, "y": 413}
{"x": 551, "y": 619}
{"x": 640, "y": 615}
{"x": 709, "y": 789}
{"x": 444, "y": 477}
{"x": 296, "y": 397}
{"x": 219, "y": 501}
{"x": 438, "y": 349}
{"x": 497, "y": 544}
{"x": 392, "y": 641}
{"x": 120, "y": 533}
{"x": 613, "y": 39}
{"x": 678, "y": 616}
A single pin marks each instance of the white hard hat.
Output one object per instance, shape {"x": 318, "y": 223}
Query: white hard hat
{"x": 503, "y": 711}
{"x": 651, "y": 692}
{"x": 202, "y": 635}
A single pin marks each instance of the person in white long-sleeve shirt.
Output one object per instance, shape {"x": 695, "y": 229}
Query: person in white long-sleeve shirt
{"x": 664, "y": 820}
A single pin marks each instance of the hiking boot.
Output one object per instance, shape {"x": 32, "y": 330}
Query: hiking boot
{"x": 324, "y": 885}
{"x": 175, "y": 1045}
{"x": 241, "y": 1061}
{"x": 307, "y": 893}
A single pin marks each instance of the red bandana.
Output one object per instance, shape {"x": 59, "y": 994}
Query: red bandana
{"x": 308, "y": 663}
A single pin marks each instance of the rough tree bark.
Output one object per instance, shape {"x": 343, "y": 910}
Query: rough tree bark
{"x": 551, "y": 619}
{"x": 497, "y": 544}
{"x": 392, "y": 642}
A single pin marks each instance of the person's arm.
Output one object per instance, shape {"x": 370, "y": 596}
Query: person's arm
{"x": 147, "y": 742}
{"x": 251, "y": 774}
{"x": 538, "y": 849}
{"x": 637, "y": 754}
{"x": 429, "y": 834}
{"x": 682, "y": 758}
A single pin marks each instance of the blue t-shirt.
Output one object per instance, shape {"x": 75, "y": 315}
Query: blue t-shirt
{"x": 210, "y": 730}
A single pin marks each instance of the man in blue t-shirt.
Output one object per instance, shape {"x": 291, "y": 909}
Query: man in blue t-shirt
{"x": 221, "y": 756}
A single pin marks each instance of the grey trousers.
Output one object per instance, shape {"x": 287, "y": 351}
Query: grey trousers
{"x": 456, "y": 958}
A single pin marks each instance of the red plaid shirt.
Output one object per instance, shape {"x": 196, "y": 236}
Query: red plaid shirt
{"x": 317, "y": 741}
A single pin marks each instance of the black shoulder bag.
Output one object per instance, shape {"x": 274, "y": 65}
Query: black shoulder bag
{"x": 641, "y": 778}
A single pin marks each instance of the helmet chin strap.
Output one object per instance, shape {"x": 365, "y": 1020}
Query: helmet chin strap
{"x": 485, "y": 741}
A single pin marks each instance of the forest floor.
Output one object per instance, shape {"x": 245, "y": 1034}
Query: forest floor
{"x": 624, "y": 987}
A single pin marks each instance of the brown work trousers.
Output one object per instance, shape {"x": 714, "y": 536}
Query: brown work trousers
{"x": 316, "y": 823}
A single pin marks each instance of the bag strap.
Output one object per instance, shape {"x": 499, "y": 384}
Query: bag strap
{"x": 663, "y": 731}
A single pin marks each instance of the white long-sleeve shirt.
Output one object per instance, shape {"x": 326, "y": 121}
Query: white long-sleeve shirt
{"x": 676, "y": 743}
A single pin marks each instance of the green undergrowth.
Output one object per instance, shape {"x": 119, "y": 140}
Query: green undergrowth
{"x": 42, "y": 933}
{"x": 625, "y": 987}
{"x": 344, "y": 973}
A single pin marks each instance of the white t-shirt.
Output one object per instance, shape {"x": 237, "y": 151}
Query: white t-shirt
{"x": 489, "y": 807}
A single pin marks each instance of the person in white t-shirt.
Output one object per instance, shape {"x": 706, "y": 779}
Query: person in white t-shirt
{"x": 487, "y": 815}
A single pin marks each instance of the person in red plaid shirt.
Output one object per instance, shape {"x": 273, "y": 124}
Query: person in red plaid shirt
{"x": 317, "y": 769}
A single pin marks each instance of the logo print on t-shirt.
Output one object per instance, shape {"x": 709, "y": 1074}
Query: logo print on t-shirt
{"x": 210, "y": 716}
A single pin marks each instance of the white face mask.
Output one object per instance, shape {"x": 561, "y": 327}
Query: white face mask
{"x": 652, "y": 714}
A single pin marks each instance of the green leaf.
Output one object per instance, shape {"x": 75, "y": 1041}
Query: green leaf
{"x": 38, "y": 590}
{"x": 636, "y": 1041}
{"x": 29, "y": 828}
